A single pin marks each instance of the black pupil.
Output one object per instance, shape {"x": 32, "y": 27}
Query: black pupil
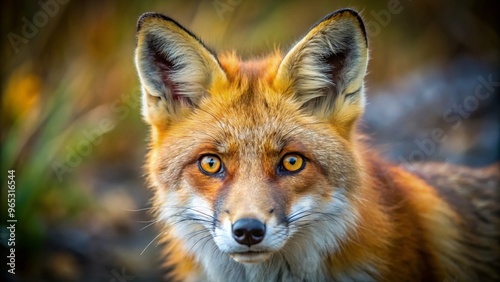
{"x": 211, "y": 162}
{"x": 292, "y": 160}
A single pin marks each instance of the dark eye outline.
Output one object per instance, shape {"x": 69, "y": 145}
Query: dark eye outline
{"x": 283, "y": 171}
{"x": 218, "y": 172}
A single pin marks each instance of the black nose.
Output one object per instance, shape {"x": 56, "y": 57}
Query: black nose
{"x": 249, "y": 231}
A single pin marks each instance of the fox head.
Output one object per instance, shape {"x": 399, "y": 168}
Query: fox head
{"x": 253, "y": 157}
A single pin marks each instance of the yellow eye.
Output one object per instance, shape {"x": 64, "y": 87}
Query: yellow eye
{"x": 293, "y": 162}
{"x": 210, "y": 164}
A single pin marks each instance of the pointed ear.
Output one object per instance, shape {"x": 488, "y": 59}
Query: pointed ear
{"x": 175, "y": 68}
{"x": 326, "y": 69}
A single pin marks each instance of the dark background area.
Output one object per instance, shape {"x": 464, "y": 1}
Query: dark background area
{"x": 72, "y": 131}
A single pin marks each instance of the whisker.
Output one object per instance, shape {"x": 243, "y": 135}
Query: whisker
{"x": 138, "y": 210}
{"x": 145, "y": 221}
{"x": 152, "y": 242}
{"x": 206, "y": 237}
{"x": 150, "y": 224}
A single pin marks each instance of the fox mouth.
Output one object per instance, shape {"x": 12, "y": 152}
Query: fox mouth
{"x": 250, "y": 256}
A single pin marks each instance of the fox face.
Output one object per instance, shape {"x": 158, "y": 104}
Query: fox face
{"x": 253, "y": 163}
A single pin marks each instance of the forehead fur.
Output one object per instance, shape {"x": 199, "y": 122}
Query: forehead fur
{"x": 250, "y": 80}
{"x": 245, "y": 102}
{"x": 263, "y": 69}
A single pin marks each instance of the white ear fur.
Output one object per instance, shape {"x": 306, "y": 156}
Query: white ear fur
{"x": 327, "y": 67}
{"x": 174, "y": 67}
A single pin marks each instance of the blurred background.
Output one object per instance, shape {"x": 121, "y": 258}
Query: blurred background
{"x": 72, "y": 131}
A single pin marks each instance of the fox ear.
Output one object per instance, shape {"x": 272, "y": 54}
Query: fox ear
{"x": 175, "y": 68}
{"x": 326, "y": 68}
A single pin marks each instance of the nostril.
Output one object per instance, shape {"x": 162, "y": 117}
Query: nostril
{"x": 239, "y": 233}
{"x": 248, "y": 231}
{"x": 257, "y": 233}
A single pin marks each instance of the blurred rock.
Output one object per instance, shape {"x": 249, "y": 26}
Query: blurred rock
{"x": 454, "y": 103}
{"x": 118, "y": 205}
{"x": 64, "y": 266}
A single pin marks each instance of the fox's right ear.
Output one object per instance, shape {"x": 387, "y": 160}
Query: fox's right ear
{"x": 175, "y": 69}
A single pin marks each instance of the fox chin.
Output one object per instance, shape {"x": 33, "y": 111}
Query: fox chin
{"x": 259, "y": 174}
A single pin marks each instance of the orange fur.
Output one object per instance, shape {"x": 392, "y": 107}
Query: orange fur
{"x": 366, "y": 219}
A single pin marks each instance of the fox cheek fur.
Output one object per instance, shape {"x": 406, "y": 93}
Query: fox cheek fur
{"x": 258, "y": 172}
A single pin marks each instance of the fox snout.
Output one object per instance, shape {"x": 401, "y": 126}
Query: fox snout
{"x": 248, "y": 231}
{"x": 250, "y": 240}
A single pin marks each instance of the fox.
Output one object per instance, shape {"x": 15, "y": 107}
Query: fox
{"x": 259, "y": 171}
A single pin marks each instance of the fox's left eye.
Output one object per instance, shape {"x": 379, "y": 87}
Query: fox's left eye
{"x": 293, "y": 162}
{"x": 210, "y": 164}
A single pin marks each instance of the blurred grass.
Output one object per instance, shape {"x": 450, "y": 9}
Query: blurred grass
{"x": 77, "y": 71}
{"x": 38, "y": 133}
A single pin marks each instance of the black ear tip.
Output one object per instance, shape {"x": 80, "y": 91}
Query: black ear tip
{"x": 146, "y": 16}
{"x": 143, "y": 18}
{"x": 352, "y": 13}
{"x": 358, "y": 17}
{"x": 349, "y": 11}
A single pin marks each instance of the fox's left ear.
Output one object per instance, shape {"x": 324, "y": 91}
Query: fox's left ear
{"x": 326, "y": 69}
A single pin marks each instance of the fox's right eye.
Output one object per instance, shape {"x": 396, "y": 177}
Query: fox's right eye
{"x": 210, "y": 164}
